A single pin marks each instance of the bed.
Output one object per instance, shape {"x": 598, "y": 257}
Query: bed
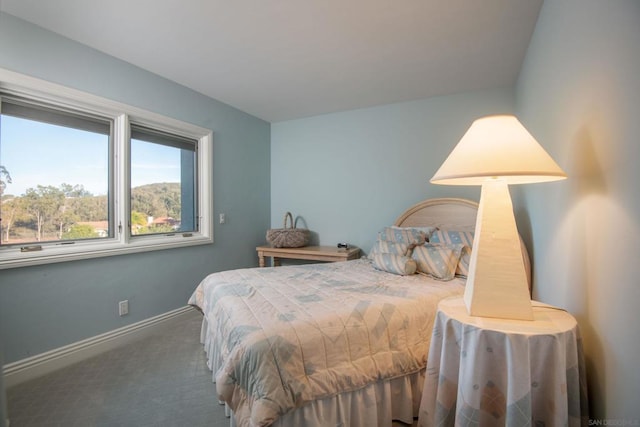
{"x": 334, "y": 344}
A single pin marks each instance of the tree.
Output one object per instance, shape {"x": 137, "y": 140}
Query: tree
{"x": 67, "y": 214}
{"x": 138, "y": 222}
{"x": 43, "y": 203}
{"x": 89, "y": 208}
{"x": 11, "y": 208}
{"x": 5, "y": 178}
{"x": 74, "y": 190}
{"x": 64, "y": 217}
{"x": 80, "y": 231}
{"x": 7, "y": 217}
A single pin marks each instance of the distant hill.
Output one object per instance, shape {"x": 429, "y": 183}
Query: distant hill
{"x": 157, "y": 200}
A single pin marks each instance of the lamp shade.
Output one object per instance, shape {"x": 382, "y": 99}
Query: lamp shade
{"x": 497, "y": 147}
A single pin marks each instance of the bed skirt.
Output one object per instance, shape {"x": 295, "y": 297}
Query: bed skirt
{"x": 377, "y": 404}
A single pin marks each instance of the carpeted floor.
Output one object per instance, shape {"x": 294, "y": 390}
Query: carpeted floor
{"x": 162, "y": 380}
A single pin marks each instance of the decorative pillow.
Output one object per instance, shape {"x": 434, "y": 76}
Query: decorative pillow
{"x": 456, "y": 237}
{"x": 408, "y": 235}
{"x": 438, "y": 260}
{"x": 386, "y": 247}
{"x": 463, "y": 265}
{"x": 395, "y": 264}
{"x": 452, "y": 237}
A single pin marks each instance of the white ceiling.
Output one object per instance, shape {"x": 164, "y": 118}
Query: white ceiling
{"x": 286, "y": 59}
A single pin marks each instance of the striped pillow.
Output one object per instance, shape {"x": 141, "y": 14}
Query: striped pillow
{"x": 452, "y": 237}
{"x": 463, "y": 265}
{"x": 395, "y": 264}
{"x": 407, "y": 235}
{"x": 384, "y": 247}
{"x": 456, "y": 237}
{"x": 437, "y": 260}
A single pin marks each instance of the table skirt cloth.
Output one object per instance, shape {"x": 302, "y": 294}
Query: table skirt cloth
{"x": 497, "y": 372}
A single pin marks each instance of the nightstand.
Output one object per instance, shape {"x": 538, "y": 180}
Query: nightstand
{"x": 311, "y": 253}
{"x": 485, "y": 371}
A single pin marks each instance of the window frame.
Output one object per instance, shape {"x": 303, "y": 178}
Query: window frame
{"x": 15, "y": 84}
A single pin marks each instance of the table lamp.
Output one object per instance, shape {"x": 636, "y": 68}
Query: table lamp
{"x": 494, "y": 152}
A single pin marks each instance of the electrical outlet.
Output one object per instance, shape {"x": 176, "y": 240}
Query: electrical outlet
{"x": 123, "y": 307}
{"x": 223, "y": 218}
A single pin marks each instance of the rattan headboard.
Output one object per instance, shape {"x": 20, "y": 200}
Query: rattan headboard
{"x": 459, "y": 214}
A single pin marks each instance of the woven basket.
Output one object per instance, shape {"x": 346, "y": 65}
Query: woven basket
{"x": 291, "y": 237}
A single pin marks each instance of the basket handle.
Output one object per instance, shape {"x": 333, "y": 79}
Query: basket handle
{"x": 290, "y": 217}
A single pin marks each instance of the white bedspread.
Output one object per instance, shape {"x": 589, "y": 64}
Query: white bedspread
{"x": 278, "y": 338}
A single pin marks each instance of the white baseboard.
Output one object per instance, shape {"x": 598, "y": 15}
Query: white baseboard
{"x": 44, "y": 363}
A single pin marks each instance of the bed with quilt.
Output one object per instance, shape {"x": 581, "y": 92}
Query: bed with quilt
{"x": 336, "y": 344}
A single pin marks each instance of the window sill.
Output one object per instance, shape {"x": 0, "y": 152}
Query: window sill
{"x": 14, "y": 258}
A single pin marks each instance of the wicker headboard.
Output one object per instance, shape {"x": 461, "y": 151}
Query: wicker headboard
{"x": 459, "y": 214}
{"x": 450, "y": 213}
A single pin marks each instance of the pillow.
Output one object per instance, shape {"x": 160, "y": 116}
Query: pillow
{"x": 385, "y": 247}
{"x": 396, "y": 264}
{"x": 456, "y": 237}
{"x": 452, "y": 237}
{"x": 438, "y": 260}
{"x": 463, "y": 265}
{"x": 407, "y": 235}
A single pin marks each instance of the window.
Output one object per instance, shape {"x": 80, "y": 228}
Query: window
{"x": 163, "y": 171}
{"x": 82, "y": 176}
{"x": 57, "y": 174}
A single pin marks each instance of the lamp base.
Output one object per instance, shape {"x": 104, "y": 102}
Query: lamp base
{"x": 497, "y": 284}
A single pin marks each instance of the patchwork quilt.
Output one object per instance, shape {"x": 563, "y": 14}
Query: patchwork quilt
{"x": 278, "y": 338}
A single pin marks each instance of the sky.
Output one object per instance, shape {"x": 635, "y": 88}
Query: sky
{"x": 36, "y": 153}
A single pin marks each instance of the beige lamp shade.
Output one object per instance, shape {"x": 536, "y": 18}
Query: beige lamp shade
{"x": 497, "y": 146}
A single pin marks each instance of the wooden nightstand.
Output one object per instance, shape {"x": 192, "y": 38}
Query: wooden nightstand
{"x": 312, "y": 253}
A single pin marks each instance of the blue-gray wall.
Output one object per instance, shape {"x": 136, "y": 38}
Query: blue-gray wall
{"x": 349, "y": 174}
{"x": 579, "y": 94}
{"x": 48, "y": 306}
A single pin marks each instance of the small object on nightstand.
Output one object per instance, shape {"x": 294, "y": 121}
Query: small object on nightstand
{"x": 343, "y": 246}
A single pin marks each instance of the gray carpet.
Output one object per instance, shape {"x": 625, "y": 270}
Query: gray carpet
{"x": 162, "y": 380}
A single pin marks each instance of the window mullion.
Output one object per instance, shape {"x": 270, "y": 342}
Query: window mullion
{"x": 121, "y": 178}
{"x": 205, "y": 185}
